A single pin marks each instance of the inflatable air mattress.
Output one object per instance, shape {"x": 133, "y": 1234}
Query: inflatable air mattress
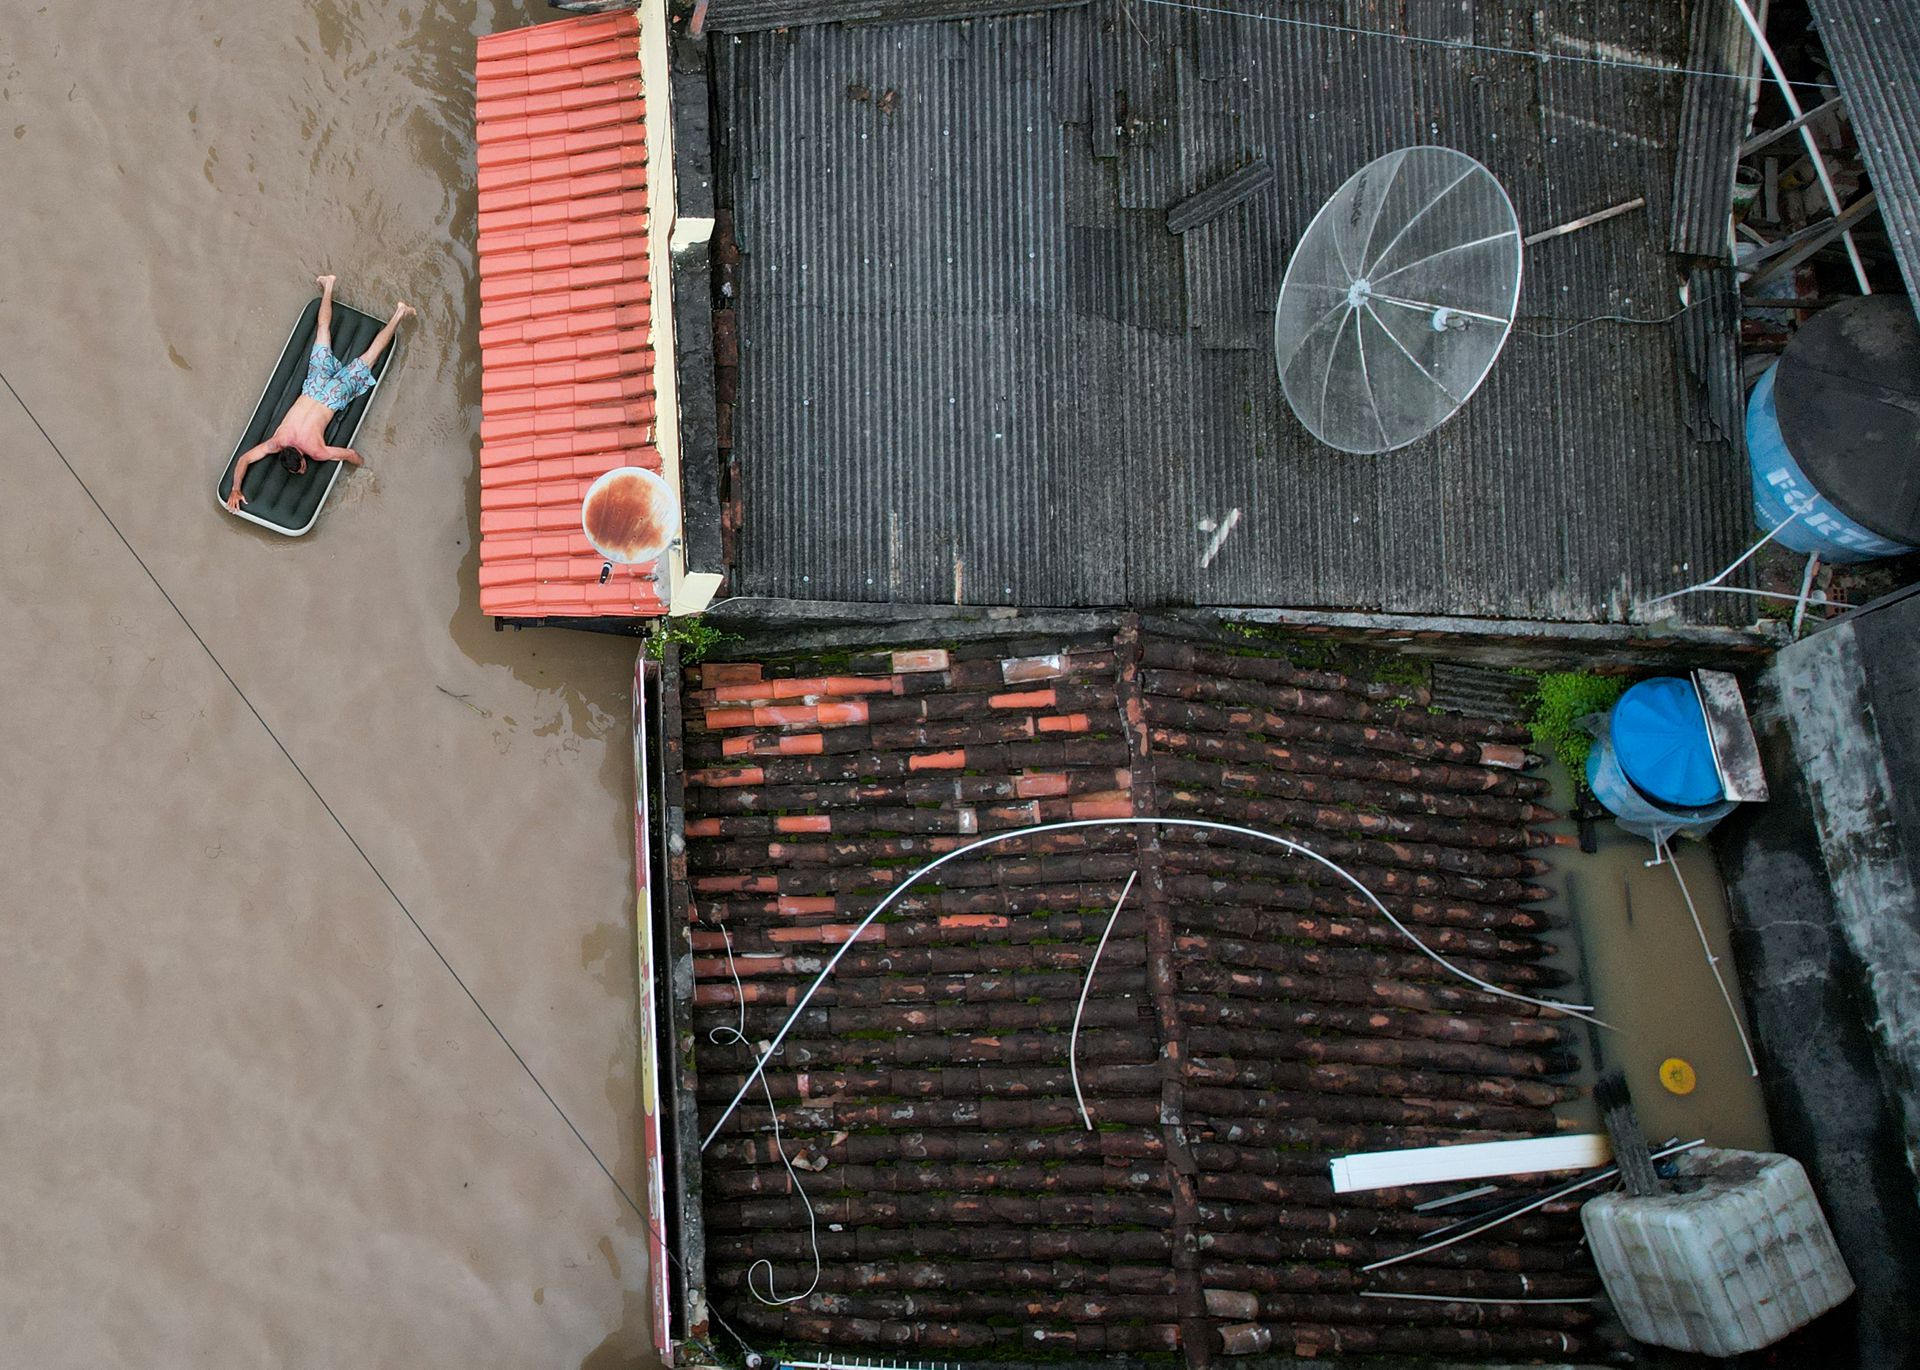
{"x": 277, "y": 499}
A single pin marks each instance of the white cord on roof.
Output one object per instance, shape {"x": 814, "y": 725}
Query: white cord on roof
{"x": 1657, "y": 68}
{"x": 1580, "y": 1011}
{"x": 720, "y": 1036}
{"x": 1462, "y": 1298}
{"x": 1661, "y": 849}
{"x": 1073, "y": 1038}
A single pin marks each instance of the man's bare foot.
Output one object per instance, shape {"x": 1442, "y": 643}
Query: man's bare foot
{"x": 402, "y": 310}
{"x": 325, "y": 283}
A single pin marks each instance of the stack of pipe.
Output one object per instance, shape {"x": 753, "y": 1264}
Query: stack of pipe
{"x": 1252, "y": 1016}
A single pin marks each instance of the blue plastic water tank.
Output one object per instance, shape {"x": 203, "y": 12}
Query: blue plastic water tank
{"x": 1633, "y": 810}
{"x": 1780, "y": 486}
{"x": 1834, "y": 429}
{"x": 1659, "y": 733}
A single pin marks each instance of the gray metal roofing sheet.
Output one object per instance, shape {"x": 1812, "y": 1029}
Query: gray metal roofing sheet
{"x": 1874, "y": 46}
{"x": 1713, "y": 120}
{"x": 746, "y": 16}
{"x": 975, "y": 365}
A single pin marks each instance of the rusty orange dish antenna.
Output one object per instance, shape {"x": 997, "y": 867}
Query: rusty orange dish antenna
{"x": 631, "y": 516}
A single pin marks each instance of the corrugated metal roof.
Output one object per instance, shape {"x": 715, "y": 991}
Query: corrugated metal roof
{"x": 975, "y": 366}
{"x": 745, "y": 16}
{"x": 567, "y": 367}
{"x": 1713, "y": 120}
{"x": 1874, "y": 46}
{"x": 1251, "y": 1017}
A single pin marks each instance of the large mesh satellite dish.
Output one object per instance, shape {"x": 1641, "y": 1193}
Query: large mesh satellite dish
{"x": 1397, "y": 299}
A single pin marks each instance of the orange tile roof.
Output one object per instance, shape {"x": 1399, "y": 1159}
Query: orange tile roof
{"x": 566, "y": 362}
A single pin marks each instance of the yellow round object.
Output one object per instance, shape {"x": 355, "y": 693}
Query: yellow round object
{"x": 1677, "y": 1076}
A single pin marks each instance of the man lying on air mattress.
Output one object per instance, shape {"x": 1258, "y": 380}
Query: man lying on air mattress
{"x": 329, "y": 388}
{"x": 309, "y": 412}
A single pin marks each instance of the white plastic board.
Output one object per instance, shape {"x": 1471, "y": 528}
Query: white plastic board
{"x": 1468, "y": 1161}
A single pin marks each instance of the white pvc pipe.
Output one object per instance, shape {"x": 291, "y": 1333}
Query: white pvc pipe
{"x": 1203, "y": 824}
{"x": 1737, "y": 562}
{"x": 1073, "y": 1038}
{"x": 1540, "y": 1202}
{"x": 1713, "y": 962}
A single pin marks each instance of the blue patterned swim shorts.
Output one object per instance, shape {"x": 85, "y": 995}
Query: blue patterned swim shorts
{"x": 333, "y": 382}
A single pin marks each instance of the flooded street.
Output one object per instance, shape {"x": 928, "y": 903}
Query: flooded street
{"x": 250, "y": 1117}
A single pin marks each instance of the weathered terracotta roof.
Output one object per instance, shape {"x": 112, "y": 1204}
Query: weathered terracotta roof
{"x": 1252, "y": 1015}
{"x": 567, "y": 367}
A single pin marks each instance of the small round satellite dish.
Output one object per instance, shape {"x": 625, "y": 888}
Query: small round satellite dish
{"x": 630, "y": 515}
{"x": 1397, "y": 299}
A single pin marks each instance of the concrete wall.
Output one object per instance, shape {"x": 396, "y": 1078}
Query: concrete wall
{"x": 1828, "y": 940}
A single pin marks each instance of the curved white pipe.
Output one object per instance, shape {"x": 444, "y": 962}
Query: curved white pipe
{"x": 1073, "y": 1037}
{"x": 1066, "y": 825}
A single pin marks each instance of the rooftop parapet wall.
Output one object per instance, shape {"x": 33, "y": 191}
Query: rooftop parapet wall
{"x": 1827, "y": 934}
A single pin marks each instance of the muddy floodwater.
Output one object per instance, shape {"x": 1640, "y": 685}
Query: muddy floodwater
{"x": 1631, "y": 939}
{"x": 248, "y": 1117}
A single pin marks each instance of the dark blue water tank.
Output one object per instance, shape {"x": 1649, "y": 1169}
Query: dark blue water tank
{"x": 1833, "y": 429}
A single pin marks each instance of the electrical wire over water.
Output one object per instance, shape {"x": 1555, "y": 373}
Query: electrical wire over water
{"x": 638, "y": 1210}
{"x": 1664, "y": 854}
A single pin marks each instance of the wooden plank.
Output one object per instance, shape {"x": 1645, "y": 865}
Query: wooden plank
{"x": 1795, "y": 248}
{"x": 1736, "y": 755}
{"x": 1222, "y": 195}
{"x": 1772, "y": 136}
{"x": 1586, "y": 221}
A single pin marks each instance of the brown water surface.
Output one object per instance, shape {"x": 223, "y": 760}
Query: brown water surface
{"x": 1647, "y": 976}
{"x": 248, "y": 1116}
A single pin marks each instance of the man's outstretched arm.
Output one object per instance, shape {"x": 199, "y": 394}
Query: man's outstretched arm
{"x": 247, "y": 458}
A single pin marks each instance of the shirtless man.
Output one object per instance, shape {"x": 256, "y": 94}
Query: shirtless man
{"x": 331, "y": 385}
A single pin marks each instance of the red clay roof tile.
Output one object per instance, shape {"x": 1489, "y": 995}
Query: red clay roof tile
{"x": 567, "y": 387}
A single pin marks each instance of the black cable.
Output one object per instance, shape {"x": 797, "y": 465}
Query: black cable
{"x": 1611, "y": 318}
{"x": 398, "y": 901}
